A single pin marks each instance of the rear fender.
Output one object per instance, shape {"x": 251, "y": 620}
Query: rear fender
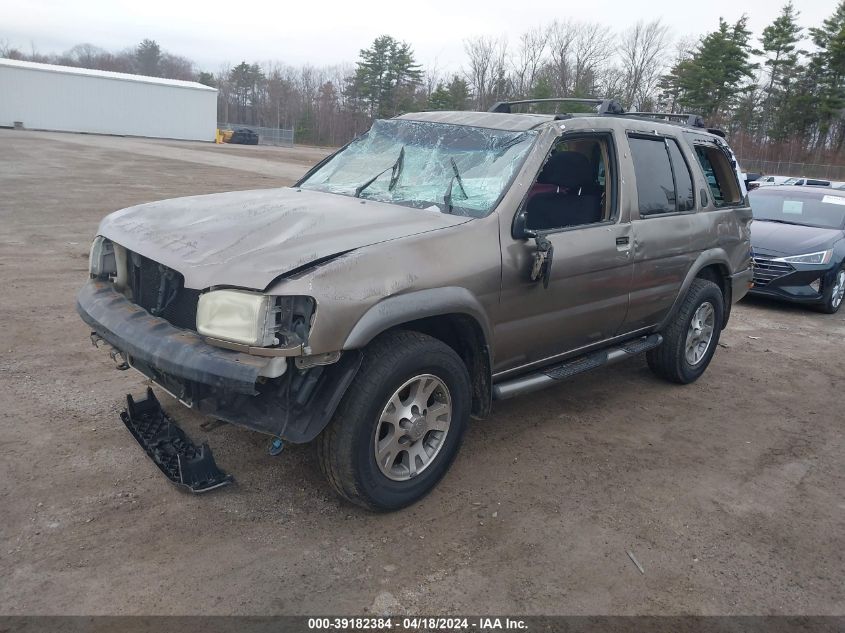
{"x": 706, "y": 258}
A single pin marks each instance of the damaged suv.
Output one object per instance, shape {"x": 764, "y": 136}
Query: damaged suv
{"x": 438, "y": 262}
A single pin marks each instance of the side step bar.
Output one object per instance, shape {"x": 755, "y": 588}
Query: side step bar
{"x": 549, "y": 375}
{"x": 181, "y": 461}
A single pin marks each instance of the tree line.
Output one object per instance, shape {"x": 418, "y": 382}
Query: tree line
{"x": 780, "y": 94}
{"x": 147, "y": 58}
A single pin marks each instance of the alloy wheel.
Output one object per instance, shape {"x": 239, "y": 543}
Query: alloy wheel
{"x": 412, "y": 427}
{"x": 700, "y": 333}
{"x": 838, "y": 290}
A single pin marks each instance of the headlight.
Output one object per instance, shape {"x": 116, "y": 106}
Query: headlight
{"x": 238, "y": 316}
{"x": 255, "y": 319}
{"x": 101, "y": 261}
{"x": 822, "y": 257}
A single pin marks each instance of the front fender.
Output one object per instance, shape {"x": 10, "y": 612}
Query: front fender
{"x": 411, "y": 306}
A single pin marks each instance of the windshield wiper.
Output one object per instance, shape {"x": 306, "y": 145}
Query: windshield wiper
{"x": 458, "y": 176}
{"x": 394, "y": 177}
{"x": 447, "y": 197}
{"x": 397, "y": 169}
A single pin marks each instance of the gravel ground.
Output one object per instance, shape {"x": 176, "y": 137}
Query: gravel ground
{"x": 729, "y": 492}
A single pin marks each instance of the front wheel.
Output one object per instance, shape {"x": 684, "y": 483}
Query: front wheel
{"x": 690, "y": 340}
{"x": 400, "y": 424}
{"x": 834, "y": 293}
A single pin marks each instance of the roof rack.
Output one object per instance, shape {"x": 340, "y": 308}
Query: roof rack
{"x": 693, "y": 120}
{"x": 614, "y": 108}
{"x": 605, "y": 106}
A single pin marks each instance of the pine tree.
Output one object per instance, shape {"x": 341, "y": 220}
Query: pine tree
{"x": 386, "y": 77}
{"x": 459, "y": 92}
{"x": 780, "y": 45}
{"x": 206, "y": 78}
{"x": 247, "y": 81}
{"x": 780, "y": 42}
{"x": 440, "y": 98}
{"x": 828, "y": 66}
{"x": 543, "y": 90}
{"x": 712, "y": 79}
{"x": 451, "y": 96}
{"x": 148, "y": 58}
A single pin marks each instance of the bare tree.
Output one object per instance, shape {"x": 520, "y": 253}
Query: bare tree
{"x": 612, "y": 83}
{"x": 561, "y": 42}
{"x": 667, "y": 95}
{"x": 642, "y": 55}
{"x": 431, "y": 77}
{"x": 487, "y": 69}
{"x": 529, "y": 59}
{"x": 85, "y": 55}
{"x": 591, "y": 50}
{"x": 580, "y": 56}
{"x": 224, "y": 91}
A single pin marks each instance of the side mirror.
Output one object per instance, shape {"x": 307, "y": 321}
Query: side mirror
{"x": 541, "y": 266}
{"x": 520, "y": 227}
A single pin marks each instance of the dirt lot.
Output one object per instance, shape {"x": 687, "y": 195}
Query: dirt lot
{"x": 728, "y": 491}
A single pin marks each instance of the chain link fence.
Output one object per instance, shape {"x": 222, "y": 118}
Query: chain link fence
{"x": 795, "y": 170}
{"x": 266, "y": 135}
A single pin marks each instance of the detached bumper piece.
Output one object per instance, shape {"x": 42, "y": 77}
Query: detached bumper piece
{"x": 181, "y": 461}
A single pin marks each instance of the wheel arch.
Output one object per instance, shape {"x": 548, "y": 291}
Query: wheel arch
{"x": 712, "y": 265}
{"x": 452, "y": 315}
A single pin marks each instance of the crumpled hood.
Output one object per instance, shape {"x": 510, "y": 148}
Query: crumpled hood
{"x": 790, "y": 239}
{"x": 248, "y": 238}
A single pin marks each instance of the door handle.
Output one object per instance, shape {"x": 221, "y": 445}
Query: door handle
{"x": 623, "y": 244}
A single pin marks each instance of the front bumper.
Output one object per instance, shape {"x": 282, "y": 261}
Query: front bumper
{"x": 793, "y": 284}
{"x": 155, "y": 347}
{"x": 223, "y": 383}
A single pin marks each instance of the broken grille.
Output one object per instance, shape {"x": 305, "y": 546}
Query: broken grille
{"x": 161, "y": 292}
{"x": 766, "y": 270}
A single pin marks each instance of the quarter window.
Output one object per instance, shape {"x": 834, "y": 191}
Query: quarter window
{"x": 664, "y": 183}
{"x": 719, "y": 174}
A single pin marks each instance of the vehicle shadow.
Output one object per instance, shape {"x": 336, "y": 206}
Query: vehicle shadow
{"x": 787, "y": 308}
{"x": 777, "y": 305}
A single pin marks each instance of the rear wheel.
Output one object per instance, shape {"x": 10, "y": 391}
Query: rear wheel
{"x": 690, "y": 340}
{"x": 834, "y": 294}
{"x": 400, "y": 424}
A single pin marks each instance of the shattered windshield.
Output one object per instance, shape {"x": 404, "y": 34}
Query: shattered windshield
{"x": 452, "y": 168}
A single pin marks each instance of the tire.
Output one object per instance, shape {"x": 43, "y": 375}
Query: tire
{"x": 671, "y": 360}
{"x": 396, "y": 366}
{"x": 833, "y": 294}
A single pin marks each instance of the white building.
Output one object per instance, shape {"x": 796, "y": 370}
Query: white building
{"x": 48, "y": 97}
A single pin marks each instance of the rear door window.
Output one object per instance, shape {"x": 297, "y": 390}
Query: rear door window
{"x": 683, "y": 178}
{"x": 664, "y": 182}
{"x": 655, "y": 187}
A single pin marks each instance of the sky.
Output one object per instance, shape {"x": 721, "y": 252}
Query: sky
{"x": 327, "y": 32}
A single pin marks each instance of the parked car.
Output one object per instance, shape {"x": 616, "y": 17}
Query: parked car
{"x": 752, "y": 180}
{"x": 244, "y": 136}
{"x": 808, "y": 182}
{"x": 798, "y": 237}
{"x": 770, "y": 181}
{"x": 437, "y": 263}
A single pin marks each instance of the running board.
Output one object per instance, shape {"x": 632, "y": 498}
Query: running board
{"x": 551, "y": 374}
{"x": 181, "y": 461}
